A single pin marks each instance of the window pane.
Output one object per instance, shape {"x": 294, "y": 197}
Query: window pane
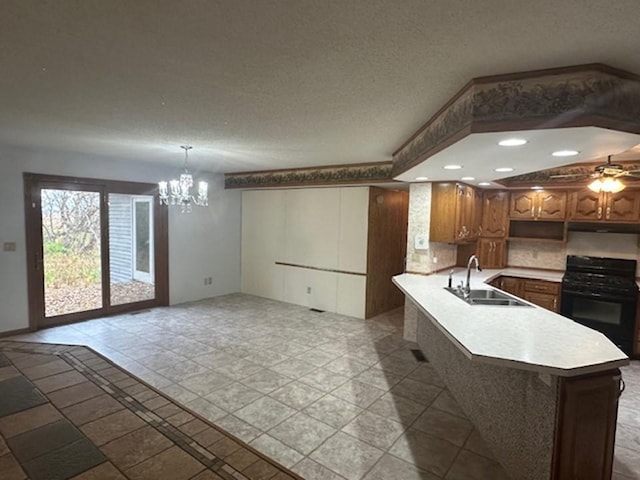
{"x": 71, "y": 251}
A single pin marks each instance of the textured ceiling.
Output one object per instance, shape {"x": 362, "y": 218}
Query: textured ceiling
{"x": 262, "y": 84}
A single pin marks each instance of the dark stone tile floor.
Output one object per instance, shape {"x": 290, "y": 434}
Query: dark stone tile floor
{"x": 67, "y": 413}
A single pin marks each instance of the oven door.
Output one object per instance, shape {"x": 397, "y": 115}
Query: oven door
{"x": 613, "y": 316}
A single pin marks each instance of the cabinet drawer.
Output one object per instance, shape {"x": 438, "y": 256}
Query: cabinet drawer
{"x": 544, "y": 300}
{"x": 539, "y": 286}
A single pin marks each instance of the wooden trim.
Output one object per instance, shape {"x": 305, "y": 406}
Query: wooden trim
{"x": 435, "y": 116}
{"x": 321, "y": 167}
{"x": 10, "y": 333}
{"x": 341, "y": 175}
{"x": 454, "y": 138}
{"x": 318, "y": 183}
{"x": 33, "y": 226}
{"x": 75, "y": 317}
{"x": 308, "y": 267}
{"x": 544, "y": 72}
{"x": 600, "y": 67}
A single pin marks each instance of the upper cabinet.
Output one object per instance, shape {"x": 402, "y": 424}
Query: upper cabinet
{"x": 455, "y": 213}
{"x": 495, "y": 214}
{"x": 609, "y": 207}
{"x": 538, "y": 205}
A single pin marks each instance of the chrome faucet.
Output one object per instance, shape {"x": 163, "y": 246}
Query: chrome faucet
{"x": 467, "y": 287}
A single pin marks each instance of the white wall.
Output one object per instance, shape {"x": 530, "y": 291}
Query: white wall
{"x": 324, "y": 228}
{"x": 202, "y": 244}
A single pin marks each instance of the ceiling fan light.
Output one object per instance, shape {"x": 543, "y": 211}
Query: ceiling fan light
{"x": 609, "y": 185}
{"x": 612, "y": 185}
{"x": 595, "y": 186}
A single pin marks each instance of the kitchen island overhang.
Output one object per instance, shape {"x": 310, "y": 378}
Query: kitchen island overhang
{"x": 530, "y": 390}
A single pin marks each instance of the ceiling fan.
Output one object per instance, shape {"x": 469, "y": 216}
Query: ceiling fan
{"x": 606, "y": 177}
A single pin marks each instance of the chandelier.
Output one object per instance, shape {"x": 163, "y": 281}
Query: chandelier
{"x": 179, "y": 191}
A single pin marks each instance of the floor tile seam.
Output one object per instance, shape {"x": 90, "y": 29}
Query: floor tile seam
{"x": 51, "y": 452}
{"x": 185, "y": 439}
{"x": 122, "y": 471}
{"x": 329, "y": 438}
{"x": 140, "y": 407}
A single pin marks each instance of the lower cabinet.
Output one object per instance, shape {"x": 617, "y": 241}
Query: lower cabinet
{"x": 511, "y": 285}
{"x": 543, "y": 293}
{"x": 586, "y": 426}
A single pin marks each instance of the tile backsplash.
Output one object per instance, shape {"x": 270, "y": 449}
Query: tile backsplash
{"x": 553, "y": 256}
{"x": 436, "y": 255}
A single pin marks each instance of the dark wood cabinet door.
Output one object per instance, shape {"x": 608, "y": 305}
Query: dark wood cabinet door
{"x": 466, "y": 231}
{"x": 551, "y": 205}
{"x": 512, "y": 285}
{"x": 523, "y": 204}
{"x": 477, "y": 213}
{"x": 495, "y": 214}
{"x": 586, "y": 205}
{"x": 544, "y": 300}
{"x": 623, "y": 206}
{"x": 499, "y": 258}
{"x": 586, "y": 426}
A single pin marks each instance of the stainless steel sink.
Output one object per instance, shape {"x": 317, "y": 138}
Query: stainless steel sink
{"x": 487, "y": 297}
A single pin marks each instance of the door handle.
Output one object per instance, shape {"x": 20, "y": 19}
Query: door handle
{"x": 38, "y": 261}
{"x": 608, "y": 212}
{"x": 599, "y": 212}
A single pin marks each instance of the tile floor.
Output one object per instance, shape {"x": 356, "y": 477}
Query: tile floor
{"x": 66, "y": 413}
{"x": 330, "y": 397}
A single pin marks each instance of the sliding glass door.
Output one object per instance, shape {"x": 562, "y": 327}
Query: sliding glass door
{"x": 95, "y": 247}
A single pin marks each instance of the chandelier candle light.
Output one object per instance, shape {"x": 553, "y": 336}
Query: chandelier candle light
{"x": 179, "y": 192}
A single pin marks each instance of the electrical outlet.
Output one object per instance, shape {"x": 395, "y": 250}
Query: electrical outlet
{"x": 435, "y": 260}
{"x": 210, "y": 280}
{"x": 9, "y": 246}
{"x": 308, "y": 289}
{"x": 205, "y": 281}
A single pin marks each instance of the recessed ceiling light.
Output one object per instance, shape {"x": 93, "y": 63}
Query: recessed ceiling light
{"x": 484, "y": 184}
{"x": 512, "y": 142}
{"x": 422, "y": 179}
{"x": 565, "y": 153}
{"x": 468, "y": 179}
{"x": 504, "y": 169}
{"x": 452, "y": 167}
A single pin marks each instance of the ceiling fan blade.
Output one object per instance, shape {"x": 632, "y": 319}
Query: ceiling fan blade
{"x": 570, "y": 175}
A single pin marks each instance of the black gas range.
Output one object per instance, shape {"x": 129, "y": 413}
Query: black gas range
{"x": 602, "y": 294}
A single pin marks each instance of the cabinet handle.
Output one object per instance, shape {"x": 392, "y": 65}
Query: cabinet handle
{"x": 599, "y": 212}
{"x": 555, "y": 304}
{"x": 533, "y": 211}
{"x": 623, "y": 386}
{"x": 608, "y": 212}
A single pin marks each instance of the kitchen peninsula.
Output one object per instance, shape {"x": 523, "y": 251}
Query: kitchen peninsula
{"x": 541, "y": 389}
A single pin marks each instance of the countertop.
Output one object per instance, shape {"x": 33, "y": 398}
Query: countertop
{"x": 526, "y": 337}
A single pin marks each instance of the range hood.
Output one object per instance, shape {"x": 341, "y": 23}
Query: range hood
{"x": 603, "y": 227}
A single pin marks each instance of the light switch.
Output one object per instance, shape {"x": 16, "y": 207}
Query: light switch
{"x": 9, "y": 246}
